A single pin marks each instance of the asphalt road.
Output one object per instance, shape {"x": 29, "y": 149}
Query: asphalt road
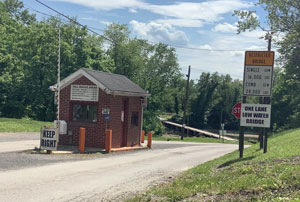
{"x": 110, "y": 177}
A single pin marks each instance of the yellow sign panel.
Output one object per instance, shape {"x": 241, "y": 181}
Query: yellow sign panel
{"x": 259, "y": 58}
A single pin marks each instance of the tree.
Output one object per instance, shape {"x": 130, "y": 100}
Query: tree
{"x": 12, "y": 32}
{"x": 200, "y": 106}
{"x": 227, "y": 94}
{"x": 284, "y": 20}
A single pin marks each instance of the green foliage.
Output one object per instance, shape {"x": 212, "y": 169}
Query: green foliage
{"x": 21, "y": 125}
{"x": 152, "y": 123}
{"x": 28, "y": 60}
{"x": 283, "y": 21}
{"x": 212, "y": 102}
{"x": 257, "y": 177}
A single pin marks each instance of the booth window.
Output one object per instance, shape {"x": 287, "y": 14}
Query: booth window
{"x": 135, "y": 119}
{"x": 83, "y": 112}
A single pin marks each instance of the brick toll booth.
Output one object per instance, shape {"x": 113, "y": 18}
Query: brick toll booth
{"x": 98, "y": 101}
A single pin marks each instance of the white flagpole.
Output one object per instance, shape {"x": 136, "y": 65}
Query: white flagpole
{"x": 58, "y": 80}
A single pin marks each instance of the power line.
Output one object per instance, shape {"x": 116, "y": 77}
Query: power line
{"x": 72, "y": 20}
{"x": 91, "y": 30}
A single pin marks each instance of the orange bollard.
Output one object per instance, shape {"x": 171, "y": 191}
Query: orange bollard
{"x": 149, "y": 139}
{"x": 82, "y": 140}
{"x": 108, "y": 143}
{"x": 143, "y": 136}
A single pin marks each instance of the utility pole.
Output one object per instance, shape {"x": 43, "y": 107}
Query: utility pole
{"x": 185, "y": 102}
{"x": 267, "y": 100}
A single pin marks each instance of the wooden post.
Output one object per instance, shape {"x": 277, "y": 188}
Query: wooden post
{"x": 267, "y": 100}
{"x": 82, "y": 140}
{"x": 241, "y": 137}
{"x": 265, "y": 130}
{"x": 149, "y": 140}
{"x": 261, "y": 131}
{"x": 143, "y": 136}
{"x": 108, "y": 143}
{"x": 185, "y": 101}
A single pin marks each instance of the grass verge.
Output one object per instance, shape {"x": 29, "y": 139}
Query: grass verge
{"x": 274, "y": 176}
{"x": 21, "y": 125}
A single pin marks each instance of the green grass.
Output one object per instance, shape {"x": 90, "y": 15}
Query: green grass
{"x": 21, "y": 125}
{"x": 193, "y": 139}
{"x": 274, "y": 176}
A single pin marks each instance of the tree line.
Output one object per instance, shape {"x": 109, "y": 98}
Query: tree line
{"x": 28, "y": 65}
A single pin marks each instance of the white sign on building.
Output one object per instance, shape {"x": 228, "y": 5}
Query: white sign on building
{"x": 49, "y": 138}
{"x": 84, "y": 93}
{"x": 256, "y": 115}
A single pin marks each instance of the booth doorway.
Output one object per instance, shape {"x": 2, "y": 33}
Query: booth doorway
{"x": 124, "y": 122}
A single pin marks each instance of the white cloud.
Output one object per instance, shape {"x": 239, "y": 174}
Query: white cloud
{"x": 107, "y": 23}
{"x": 208, "y": 11}
{"x": 183, "y": 14}
{"x": 89, "y": 19}
{"x": 181, "y": 22}
{"x": 131, "y": 10}
{"x": 159, "y": 32}
{"x": 108, "y": 5}
{"x": 225, "y": 28}
{"x": 224, "y": 62}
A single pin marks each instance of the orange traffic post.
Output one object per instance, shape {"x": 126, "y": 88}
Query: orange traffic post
{"x": 143, "y": 136}
{"x": 108, "y": 143}
{"x": 82, "y": 140}
{"x": 149, "y": 139}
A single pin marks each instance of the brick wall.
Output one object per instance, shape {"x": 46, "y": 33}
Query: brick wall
{"x": 95, "y": 132}
{"x": 133, "y": 137}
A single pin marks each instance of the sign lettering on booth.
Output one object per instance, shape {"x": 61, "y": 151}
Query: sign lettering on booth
{"x": 84, "y": 93}
{"x": 256, "y": 115}
{"x": 49, "y": 138}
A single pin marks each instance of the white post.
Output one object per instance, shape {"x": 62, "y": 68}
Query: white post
{"x": 58, "y": 80}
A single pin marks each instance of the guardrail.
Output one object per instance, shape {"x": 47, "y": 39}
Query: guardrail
{"x": 194, "y": 130}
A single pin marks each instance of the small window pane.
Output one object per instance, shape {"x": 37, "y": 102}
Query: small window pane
{"x": 135, "y": 119}
{"x": 85, "y": 113}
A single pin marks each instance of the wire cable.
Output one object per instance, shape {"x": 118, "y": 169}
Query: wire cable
{"x": 91, "y": 30}
{"x": 72, "y": 20}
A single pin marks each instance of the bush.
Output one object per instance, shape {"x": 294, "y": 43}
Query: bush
{"x": 152, "y": 123}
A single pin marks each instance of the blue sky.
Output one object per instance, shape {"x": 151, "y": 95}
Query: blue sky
{"x": 202, "y": 24}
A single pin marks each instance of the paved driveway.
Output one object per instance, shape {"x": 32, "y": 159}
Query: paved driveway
{"x": 105, "y": 177}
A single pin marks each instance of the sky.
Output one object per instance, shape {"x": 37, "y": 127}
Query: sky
{"x": 198, "y": 29}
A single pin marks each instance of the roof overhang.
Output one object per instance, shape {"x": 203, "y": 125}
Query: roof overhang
{"x": 79, "y": 73}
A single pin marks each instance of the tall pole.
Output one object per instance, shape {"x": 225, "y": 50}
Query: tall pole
{"x": 241, "y": 136}
{"x": 58, "y": 79}
{"x": 185, "y": 102}
{"x": 267, "y": 100}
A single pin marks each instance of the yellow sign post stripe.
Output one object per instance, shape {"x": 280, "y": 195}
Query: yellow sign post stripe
{"x": 259, "y": 58}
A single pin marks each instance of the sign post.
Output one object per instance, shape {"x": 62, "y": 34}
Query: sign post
{"x": 258, "y": 74}
{"x": 106, "y": 114}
